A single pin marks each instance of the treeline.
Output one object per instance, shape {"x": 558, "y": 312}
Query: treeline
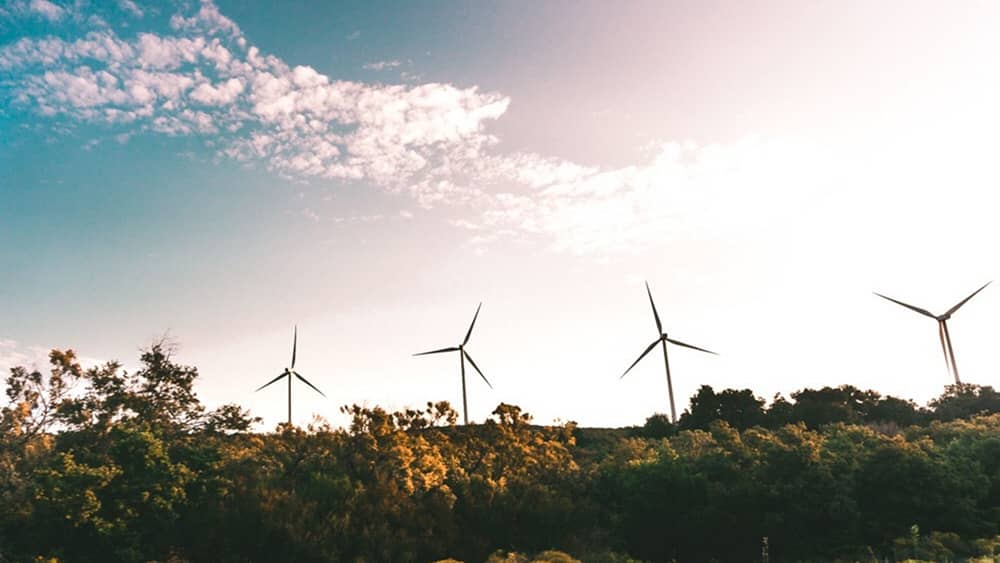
{"x": 107, "y": 465}
{"x": 815, "y": 408}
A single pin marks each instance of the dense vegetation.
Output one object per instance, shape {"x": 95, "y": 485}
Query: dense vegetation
{"x": 105, "y": 465}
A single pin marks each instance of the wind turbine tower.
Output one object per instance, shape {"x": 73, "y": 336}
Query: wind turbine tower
{"x": 289, "y": 372}
{"x": 463, "y": 355}
{"x": 662, "y": 340}
{"x": 943, "y": 335}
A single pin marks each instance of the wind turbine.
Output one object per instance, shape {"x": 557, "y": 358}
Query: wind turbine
{"x": 942, "y": 320}
{"x": 662, "y": 339}
{"x": 289, "y": 372}
{"x": 463, "y": 355}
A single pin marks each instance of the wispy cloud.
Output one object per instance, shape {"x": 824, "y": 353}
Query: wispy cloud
{"x": 407, "y": 76}
{"x": 684, "y": 190}
{"x": 428, "y": 140}
{"x": 131, "y": 7}
{"x": 47, "y": 9}
{"x": 382, "y": 65}
{"x": 36, "y": 9}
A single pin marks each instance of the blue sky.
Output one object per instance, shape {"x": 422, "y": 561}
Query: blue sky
{"x": 372, "y": 171}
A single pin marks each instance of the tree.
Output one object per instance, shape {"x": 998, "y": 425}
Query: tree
{"x": 895, "y": 410}
{"x": 103, "y": 469}
{"x": 902, "y": 483}
{"x": 779, "y": 412}
{"x": 114, "y": 465}
{"x": 963, "y": 400}
{"x": 738, "y": 408}
{"x": 159, "y": 396}
{"x": 816, "y": 407}
{"x": 657, "y": 425}
{"x": 34, "y": 400}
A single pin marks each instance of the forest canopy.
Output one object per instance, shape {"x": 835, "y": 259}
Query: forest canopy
{"x": 102, "y": 464}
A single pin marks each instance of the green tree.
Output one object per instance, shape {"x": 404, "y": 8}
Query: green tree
{"x": 964, "y": 400}
{"x": 738, "y": 408}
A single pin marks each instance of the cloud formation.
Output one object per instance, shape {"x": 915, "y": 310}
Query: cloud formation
{"x": 131, "y": 8}
{"x": 681, "y": 191}
{"x": 47, "y": 9}
{"x": 205, "y": 79}
{"x": 202, "y": 77}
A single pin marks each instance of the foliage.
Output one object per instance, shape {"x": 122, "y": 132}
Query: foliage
{"x": 964, "y": 399}
{"x": 740, "y": 409}
{"x": 106, "y": 465}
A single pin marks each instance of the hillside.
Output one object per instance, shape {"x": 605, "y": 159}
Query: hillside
{"x": 131, "y": 467}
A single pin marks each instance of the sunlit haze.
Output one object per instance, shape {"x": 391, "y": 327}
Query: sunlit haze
{"x": 371, "y": 171}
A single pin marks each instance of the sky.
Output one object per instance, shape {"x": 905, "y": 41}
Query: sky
{"x": 219, "y": 173}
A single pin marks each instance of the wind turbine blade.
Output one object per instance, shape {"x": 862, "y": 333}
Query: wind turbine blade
{"x": 641, "y": 356}
{"x": 442, "y": 350}
{"x": 963, "y": 302}
{"x": 679, "y": 343}
{"x": 468, "y": 357}
{"x": 295, "y": 344}
{"x": 923, "y": 312}
{"x": 944, "y": 348}
{"x": 306, "y": 381}
{"x": 468, "y": 334}
{"x": 659, "y": 326}
{"x": 951, "y": 352}
{"x": 270, "y": 382}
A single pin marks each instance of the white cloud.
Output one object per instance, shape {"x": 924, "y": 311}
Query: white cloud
{"x": 208, "y": 20}
{"x": 224, "y": 93}
{"x": 684, "y": 191}
{"x": 300, "y": 123}
{"x": 428, "y": 140}
{"x": 82, "y": 88}
{"x": 47, "y": 9}
{"x": 131, "y": 7}
{"x": 168, "y": 53}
